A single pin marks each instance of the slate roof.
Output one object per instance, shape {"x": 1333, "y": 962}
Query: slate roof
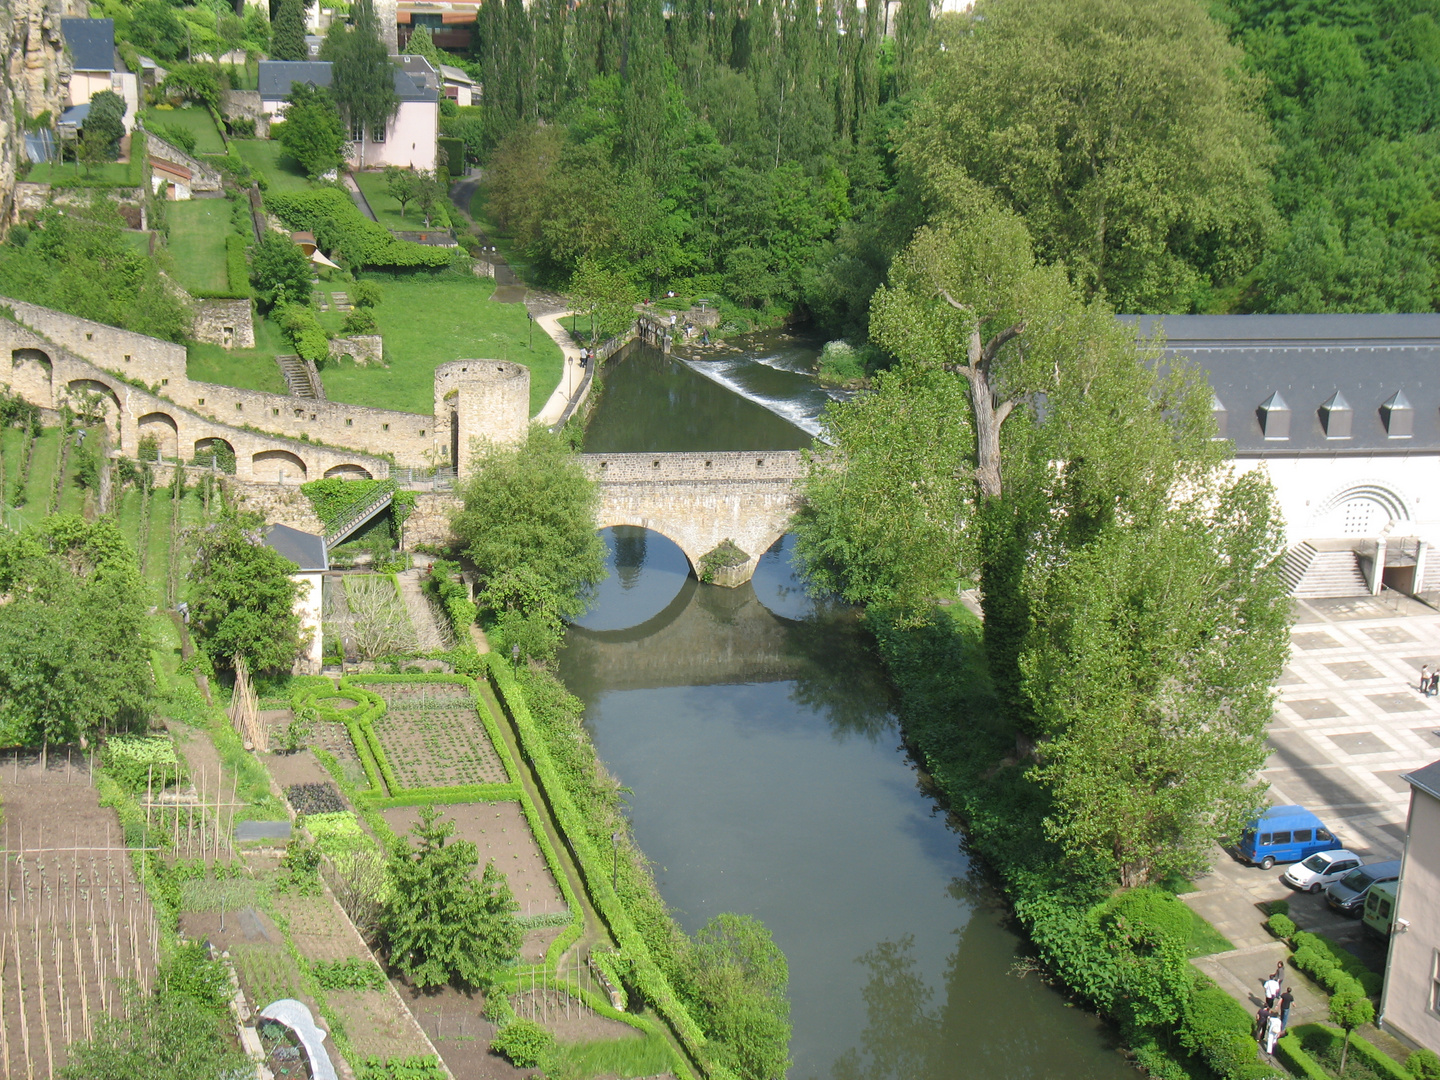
{"x": 1426, "y": 779}
{"x": 305, "y": 550}
{"x": 276, "y": 77}
{"x": 91, "y": 43}
{"x": 1284, "y": 372}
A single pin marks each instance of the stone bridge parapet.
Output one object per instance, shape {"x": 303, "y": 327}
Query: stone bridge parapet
{"x": 701, "y": 500}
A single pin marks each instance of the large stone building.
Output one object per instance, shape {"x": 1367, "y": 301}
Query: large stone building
{"x": 1343, "y": 412}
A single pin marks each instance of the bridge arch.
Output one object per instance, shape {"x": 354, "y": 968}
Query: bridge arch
{"x": 348, "y": 471}
{"x": 612, "y": 520}
{"x": 164, "y": 430}
{"x": 281, "y": 464}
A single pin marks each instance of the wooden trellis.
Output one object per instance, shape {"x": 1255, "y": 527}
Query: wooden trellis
{"x": 245, "y": 709}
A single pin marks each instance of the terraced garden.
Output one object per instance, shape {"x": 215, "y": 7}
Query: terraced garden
{"x": 433, "y": 737}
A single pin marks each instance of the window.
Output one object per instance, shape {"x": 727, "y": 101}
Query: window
{"x": 1302, "y": 836}
{"x": 377, "y": 133}
{"x": 274, "y": 412}
{"x": 1265, "y": 839}
{"x": 1321, "y": 834}
{"x": 164, "y": 382}
{"x": 1435, "y": 981}
{"x": 357, "y": 132}
{"x": 89, "y": 336}
{"x": 239, "y": 405}
{"x": 127, "y": 357}
{"x": 385, "y": 427}
{"x": 422, "y": 433}
{"x": 1281, "y": 838}
{"x": 202, "y": 401}
{"x": 1384, "y": 908}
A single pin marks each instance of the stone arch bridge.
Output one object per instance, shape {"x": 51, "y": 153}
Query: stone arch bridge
{"x": 701, "y": 500}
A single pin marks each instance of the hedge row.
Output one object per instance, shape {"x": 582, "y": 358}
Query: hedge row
{"x": 1332, "y": 965}
{"x": 306, "y": 692}
{"x": 1297, "y": 1046}
{"x": 646, "y": 973}
{"x": 454, "y": 598}
{"x": 339, "y": 225}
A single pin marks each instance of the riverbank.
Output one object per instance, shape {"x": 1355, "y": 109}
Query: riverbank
{"x": 1126, "y": 954}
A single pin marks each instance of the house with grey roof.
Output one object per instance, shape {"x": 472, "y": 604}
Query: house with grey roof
{"x": 1343, "y": 413}
{"x": 307, "y": 551}
{"x": 96, "y": 66}
{"x": 409, "y": 139}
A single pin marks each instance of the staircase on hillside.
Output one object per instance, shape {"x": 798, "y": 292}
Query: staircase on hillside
{"x": 1324, "y": 571}
{"x": 384, "y": 494}
{"x": 298, "y": 377}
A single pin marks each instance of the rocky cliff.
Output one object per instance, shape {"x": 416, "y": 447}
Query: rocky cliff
{"x": 35, "y": 77}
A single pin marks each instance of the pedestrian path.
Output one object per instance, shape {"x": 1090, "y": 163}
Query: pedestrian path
{"x": 572, "y": 375}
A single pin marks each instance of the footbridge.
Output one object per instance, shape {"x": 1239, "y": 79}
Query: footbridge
{"x": 701, "y": 500}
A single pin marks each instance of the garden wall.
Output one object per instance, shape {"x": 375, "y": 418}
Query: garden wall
{"x": 364, "y": 349}
{"x": 230, "y": 323}
{"x": 202, "y": 177}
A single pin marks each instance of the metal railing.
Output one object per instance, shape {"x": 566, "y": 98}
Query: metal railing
{"x": 382, "y": 498}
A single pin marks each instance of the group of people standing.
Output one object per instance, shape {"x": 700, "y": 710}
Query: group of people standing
{"x": 1273, "y": 1019}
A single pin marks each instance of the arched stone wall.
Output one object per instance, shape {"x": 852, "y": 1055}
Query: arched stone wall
{"x": 1359, "y": 509}
{"x": 348, "y": 472}
{"x": 278, "y": 466}
{"x": 33, "y": 376}
{"x": 166, "y": 432}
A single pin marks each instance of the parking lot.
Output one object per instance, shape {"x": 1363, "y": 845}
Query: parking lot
{"x": 1349, "y": 723}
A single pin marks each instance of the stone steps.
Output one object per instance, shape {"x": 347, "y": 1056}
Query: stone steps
{"x": 297, "y": 376}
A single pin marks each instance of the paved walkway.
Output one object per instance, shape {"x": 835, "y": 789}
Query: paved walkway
{"x": 572, "y": 376}
{"x": 357, "y": 196}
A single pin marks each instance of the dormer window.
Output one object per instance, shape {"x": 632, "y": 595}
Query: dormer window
{"x": 1336, "y": 417}
{"x": 1399, "y": 416}
{"x": 1274, "y": 418}
{"x": 1219, "y": 415}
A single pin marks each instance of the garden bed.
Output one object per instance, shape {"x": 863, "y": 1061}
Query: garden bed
{"x": 500, "y": 832}
{"x": 433, "y": 737}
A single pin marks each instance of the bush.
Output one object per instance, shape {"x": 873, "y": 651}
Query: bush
{"x": 359, "y": 321}
{"x": 339, "y": 225}
{"x": 366, "y": 294}
{"x": 306, "y": 334}
{"x": 137, "y": 761}
{"x": 237, "y": 270}
{"x": 1278, "y": 907}
{"x": 1423, "y": 1065}
{"x": 840, "y": 364}
{"x": 1282, "y": 926}
{"x": 1333, "y": 966}
{"x": 524, "y": 1044}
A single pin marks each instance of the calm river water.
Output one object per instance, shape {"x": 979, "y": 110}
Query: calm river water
{"x": 757, "y": 733}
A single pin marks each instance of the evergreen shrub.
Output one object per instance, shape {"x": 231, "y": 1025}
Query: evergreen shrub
{"x": 524, "y": 1044}
{"x": 1282, "y": 926}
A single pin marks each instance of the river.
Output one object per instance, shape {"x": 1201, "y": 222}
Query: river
{"x": 756, "y": 731}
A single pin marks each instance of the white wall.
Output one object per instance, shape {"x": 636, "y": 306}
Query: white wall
{"x": 1408, "y": 1006}
{"x": 1331, "y": 498}
{"x": 307, "y": 606}
{"x": 411, "y": 137}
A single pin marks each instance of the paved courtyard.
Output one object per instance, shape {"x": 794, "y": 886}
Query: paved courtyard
{"x": 1349, "y": 723}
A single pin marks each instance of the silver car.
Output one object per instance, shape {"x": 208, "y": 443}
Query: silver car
{"x": 1320, "y": 870}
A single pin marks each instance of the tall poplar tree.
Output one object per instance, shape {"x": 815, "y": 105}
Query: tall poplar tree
{"x": 363, "y": 79}
{"x": 287, "y": 38}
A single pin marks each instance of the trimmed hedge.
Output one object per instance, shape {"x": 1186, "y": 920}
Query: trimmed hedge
{"x": 644, "y": 971}
{"x": 454, "y": 598}
{"x": 1331, "y": 965}
{"x": 1298, "y": 1045}
{"x": 1281, "y": 925}
{"x": 339, "y": 225}
{"x": 237, "y": 273}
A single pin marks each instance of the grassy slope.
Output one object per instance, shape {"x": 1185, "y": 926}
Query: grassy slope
{"x": 430, "y": 321}
{"x": 498, "y": 236}
{"x": 197, "y": 241}
{"x": 282, "y": 172}
{"x": 387, "y": 210}
{"x": 249, "y": 369}
{"x": 42, "y": 472}
{"x": 197, "y": 121}
{"x": 46, "y": 172}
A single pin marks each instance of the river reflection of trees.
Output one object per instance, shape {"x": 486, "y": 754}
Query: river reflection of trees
{"x": 990, "y": 1022}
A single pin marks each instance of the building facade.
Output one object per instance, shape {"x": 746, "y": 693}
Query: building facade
{"x": 1410, "y": 1004}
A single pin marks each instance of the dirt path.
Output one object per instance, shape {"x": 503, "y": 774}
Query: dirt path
{"x": 429, "y": 632}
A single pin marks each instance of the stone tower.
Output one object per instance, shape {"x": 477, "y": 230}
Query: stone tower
{"x": 485, "y": 401}
{"x": 386, "y": 12}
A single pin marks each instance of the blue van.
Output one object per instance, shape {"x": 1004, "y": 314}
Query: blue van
{"x": 1285, "y": 834}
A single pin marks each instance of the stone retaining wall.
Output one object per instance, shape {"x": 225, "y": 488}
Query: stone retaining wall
{"x": 364, "y": 349}
{"x": 230, "y": 323}
{"x": 202, "y": 177}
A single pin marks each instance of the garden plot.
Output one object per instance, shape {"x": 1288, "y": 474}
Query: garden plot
{"x": 74, "y": 921}
{"x": 433, "y": 737}
{"x": 501, "y": 833}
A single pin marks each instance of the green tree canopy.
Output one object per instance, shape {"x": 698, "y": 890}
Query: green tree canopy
{"x": 364, "y": 79}
{"x": 443, "y": 925}
{"x": 287, "y": 34}
{"x": 740, "y": 979}
{"x": 280, "y": 271}
{"x": 242, "y": 601}
{"x": 313, "y": 131}
{"x": 1125, "y": 133}
{"x": 106, "y": 121}
{"x": 533, "y": 506}
{"x": 74, "y": 643}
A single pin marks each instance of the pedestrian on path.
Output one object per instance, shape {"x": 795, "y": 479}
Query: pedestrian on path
{"x": 1272, "y": 991}
{"x": 1434, "y": 683}
{"x": 1425, "y": 679}
{"x": 1272, "y": 1032}
{"x": 1262, "y": 1024}
{"x": 1280, "y": 972}
{"x": 1286, "y": 1000}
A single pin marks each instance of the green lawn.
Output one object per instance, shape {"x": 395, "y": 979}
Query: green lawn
{"x": 281, "y": 171}
{"x": 429, "y": 321}
{"x": 1204, "y": 938}
{"x": 496, "y": 235}
{"x": 248, "y": 369}
{"x": 387, "y": 209}
{"x": 111, "y": 173}
{"x": 137, "y": 241}
{"x": 197, "y": 241}
{"x": 195, "y": 120}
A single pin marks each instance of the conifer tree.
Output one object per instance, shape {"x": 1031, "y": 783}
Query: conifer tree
{"x": 363, "y": 81}
{"x": 287, "y": 39}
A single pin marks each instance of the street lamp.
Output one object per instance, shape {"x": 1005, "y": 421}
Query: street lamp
{"x": 615, "y": 873}
{"x": 531, "y": 317}
{"x": 515, "y": 658}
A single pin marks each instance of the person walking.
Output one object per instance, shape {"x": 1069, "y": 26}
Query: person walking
{"x": 1434, "y": 683}
{"x": 1286, "y": 1000}
{"x": 1272, "y": 1032}
{"x": 1262, "y": 1024}
{"x": 1425, "y": 679}
{"x": 1272, "y": 991}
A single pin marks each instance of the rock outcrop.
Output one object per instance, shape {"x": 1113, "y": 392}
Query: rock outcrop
{"x": 36, "y": 76}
